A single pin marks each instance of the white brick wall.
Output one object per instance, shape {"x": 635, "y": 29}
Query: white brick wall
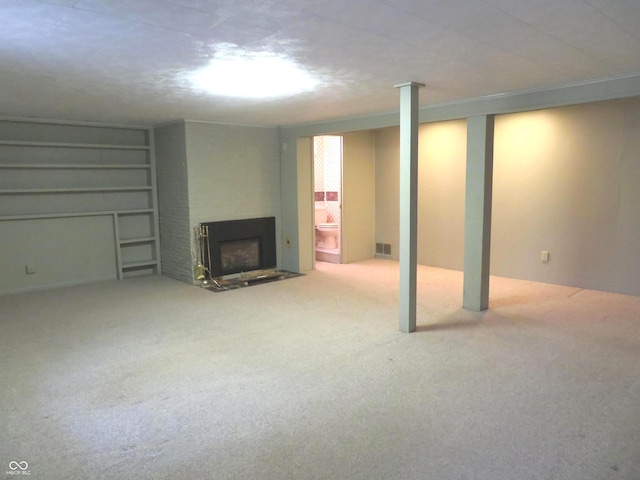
{"x": 234, "y": 173}
{"x": 173, "y": 200}
{"x": 212, "y": 172}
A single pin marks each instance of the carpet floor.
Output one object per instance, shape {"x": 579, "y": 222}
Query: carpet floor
{"x": 309, "y": 378}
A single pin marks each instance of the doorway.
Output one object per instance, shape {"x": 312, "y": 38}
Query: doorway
{"x": 327, "y": 174}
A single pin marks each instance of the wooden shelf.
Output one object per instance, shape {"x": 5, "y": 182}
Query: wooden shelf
{"x": 37, "y": 216}
{"x": 135, "y": 211}
{"x": 148, "y": 263}
{"x": 27, "y": 191}
{"x": 22, "y": 143}
{"x": 71, "y": 166}
{"x": 132, "y": 241}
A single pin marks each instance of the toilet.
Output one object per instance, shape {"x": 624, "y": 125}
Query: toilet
{"x": 326, "y": 233}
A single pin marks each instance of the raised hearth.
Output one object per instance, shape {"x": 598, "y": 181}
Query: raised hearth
{"x": 233, "y": 282}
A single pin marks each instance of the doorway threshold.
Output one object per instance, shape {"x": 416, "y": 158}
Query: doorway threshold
{"x": 330, "y": 255}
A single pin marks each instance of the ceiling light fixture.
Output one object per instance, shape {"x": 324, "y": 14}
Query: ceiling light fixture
{"x": 237, "y": 73}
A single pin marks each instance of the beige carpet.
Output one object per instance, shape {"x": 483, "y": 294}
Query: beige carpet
{"x": 309, "y": 378}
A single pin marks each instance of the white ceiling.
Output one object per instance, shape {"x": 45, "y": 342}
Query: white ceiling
{"x": 123, "y": 61}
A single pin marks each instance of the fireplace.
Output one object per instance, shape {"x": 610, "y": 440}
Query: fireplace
{"x": 240, "y": 246}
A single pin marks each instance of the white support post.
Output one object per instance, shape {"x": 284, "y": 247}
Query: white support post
{"x": 477, "y": 214}
{"x": 408, "y": 203}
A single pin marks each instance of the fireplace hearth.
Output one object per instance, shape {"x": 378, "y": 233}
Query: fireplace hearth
{"x": 240, "y": 246}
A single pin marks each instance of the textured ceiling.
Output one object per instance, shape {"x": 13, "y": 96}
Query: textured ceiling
{"x": 124, "y": 61}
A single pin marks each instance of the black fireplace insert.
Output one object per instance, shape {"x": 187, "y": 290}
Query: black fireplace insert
{"x": 239, "y": 246}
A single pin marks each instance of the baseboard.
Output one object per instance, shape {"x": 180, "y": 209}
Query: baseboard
{"x": 49, "y": 286}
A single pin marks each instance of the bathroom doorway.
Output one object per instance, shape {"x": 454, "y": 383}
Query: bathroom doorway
{"x": 327, "y": 174}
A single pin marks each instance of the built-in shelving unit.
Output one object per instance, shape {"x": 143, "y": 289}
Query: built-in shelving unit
{"x": 69, "y": 170}
{"x": 17, "y": 191}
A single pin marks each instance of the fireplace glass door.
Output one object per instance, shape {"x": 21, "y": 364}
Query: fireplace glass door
{"x": 240, "y": 255}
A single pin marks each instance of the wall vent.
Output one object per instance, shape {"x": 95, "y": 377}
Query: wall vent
{"x": 383, "y": 249}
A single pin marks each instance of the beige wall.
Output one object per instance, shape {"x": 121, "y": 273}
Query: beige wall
{"x": 559, "y": 179}
{"x": 566, "y": 180}
{"x": 387, "y": 181}
{"x": 358, "y": 196}
{"x": 627, "y": 275}
{"x": 441, "y": 183}
{"x": 305, "y": 204}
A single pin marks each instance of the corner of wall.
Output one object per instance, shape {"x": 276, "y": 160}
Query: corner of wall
{"x": 173, "y": 201}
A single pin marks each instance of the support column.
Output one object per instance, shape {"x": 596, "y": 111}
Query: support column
{"x": 477, "y": 213}
{"x": 408, "y": 203}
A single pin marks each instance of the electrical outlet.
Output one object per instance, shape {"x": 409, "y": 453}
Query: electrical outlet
{"x": 544, "y": 255}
